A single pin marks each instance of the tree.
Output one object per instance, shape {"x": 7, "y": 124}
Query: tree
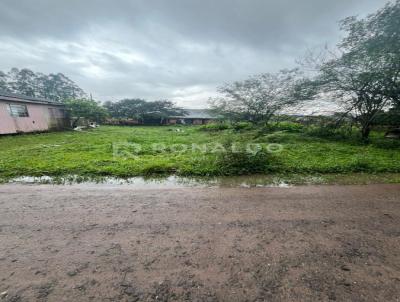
{"x": 359, "y": 90}
{"x": 55, "y": 87}
{"x": 157, "y": 111}
{"x": 152, "y": 112}
{"x": 259, "y": 97}
{"x": 377, "y": 37}
{"x": 59, "y": 87}
{"x": 365, "y": 76}
{"x": 3, "y": 82}
{"x": 23, "y": 81}
{"x": 85, "y": 109}
{"x": 126, "y": 108}
{"x": 389, "y": 118}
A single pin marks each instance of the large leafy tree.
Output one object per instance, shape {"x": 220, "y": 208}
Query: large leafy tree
{"x": 3, "y": 82}
{"x": 259, "y": 97}
{"x": 56, "y": 87}
{"x": 365, "y": 76}
{"x": 358, "y": 88}
{"x": 143, "y": 110}
{"x": 377, "y": 38}
{"x": 156, "y": 111}
{"x": 59, "y": 87}
{"x": 23, "y": 81}
{"x": 85, "y": 109}
{"x": 126, "y": 108}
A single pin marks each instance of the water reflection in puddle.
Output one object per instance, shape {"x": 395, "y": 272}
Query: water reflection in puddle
{"x": 169, "y": 182}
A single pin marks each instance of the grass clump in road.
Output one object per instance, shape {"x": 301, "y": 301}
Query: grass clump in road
{"x": 93, "y": 153}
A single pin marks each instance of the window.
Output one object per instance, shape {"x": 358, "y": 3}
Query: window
{"x": 18, "y": 110}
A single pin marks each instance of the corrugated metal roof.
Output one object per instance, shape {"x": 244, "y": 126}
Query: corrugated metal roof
{"x": 196, "y": 113}
{"x": 6, "y": 96}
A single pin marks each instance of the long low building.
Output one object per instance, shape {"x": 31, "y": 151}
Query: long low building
{"x": 192, "y": 117}
{"x": 23, "y": 114}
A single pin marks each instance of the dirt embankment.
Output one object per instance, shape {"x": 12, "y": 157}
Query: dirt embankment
{"x": 77, "y": 243}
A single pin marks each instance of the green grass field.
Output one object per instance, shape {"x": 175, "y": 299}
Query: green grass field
{"x": 102, "y": 152}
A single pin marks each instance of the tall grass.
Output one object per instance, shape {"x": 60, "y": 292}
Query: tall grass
{"x": 90, "y": 153}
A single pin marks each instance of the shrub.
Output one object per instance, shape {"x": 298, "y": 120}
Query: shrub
{"x": 242, "y": 126}
{"x": 158, "y": 168}
{"x": 387, "y": 143}
{"x": 360, "y": 165}
{"x": 214, "y": 127}
{"x": 241, "y": 162}
{"x": 279, "y": 138}
{"x": 200, "y": 165}
{"x": 329, "y": 131}
{"x": 287, "y": 126}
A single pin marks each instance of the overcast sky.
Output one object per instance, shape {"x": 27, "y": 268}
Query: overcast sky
{"x": 175, "y": 49}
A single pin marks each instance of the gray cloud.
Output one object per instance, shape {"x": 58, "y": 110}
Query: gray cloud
{"x": 176, "y": 49}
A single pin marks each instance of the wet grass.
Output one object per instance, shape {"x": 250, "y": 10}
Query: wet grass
{"x": 105, "y": 152}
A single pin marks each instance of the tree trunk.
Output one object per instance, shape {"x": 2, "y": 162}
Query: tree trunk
{"x": 365, "y": 131}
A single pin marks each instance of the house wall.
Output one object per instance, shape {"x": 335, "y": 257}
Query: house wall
{"x": 171, "y": 121}
{"x": 189, "y": 121}
{"x": 123, "y": 122}
{"x": 41, "y": 117}
{"x": 197, "y": 122}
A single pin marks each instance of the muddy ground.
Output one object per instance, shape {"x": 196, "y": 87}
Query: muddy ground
{"x": 102, "y": 243}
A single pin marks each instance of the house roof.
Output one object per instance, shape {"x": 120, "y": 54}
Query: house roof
{"x": 197, "y": 113}
{"x": 6, "y": 96}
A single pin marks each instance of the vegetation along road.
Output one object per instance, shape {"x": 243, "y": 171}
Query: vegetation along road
{"x": 93, "y": 153}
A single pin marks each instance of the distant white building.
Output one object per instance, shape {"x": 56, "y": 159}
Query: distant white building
{"x": 192, "y": 117}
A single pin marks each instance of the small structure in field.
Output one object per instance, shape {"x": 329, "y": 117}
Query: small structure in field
{"x": 23, "y": 114}
{"x": 394, "y": 133}
{"x": 192, "y": 117}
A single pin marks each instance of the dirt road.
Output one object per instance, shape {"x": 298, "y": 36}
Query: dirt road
{"x": 313, "y": 243}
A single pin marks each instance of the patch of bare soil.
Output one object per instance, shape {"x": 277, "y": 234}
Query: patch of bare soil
{"x": 313, "y": 243}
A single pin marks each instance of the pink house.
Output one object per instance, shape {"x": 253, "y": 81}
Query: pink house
{"x": 22, "y": 114}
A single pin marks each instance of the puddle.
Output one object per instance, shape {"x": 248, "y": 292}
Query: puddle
{"x": 169, "y": 182}
{"x": 251, "y": 181}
